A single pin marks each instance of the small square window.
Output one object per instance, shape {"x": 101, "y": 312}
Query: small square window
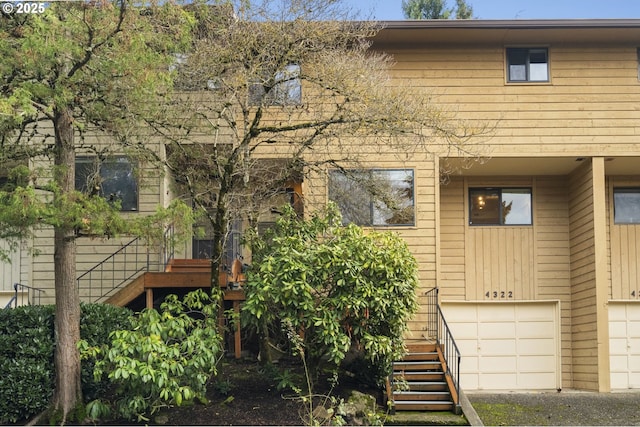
{"x": 114, "y": 179}
{"x": 374, "y": 197}
{"x": 500, "y": 206}
{"x": 626, "y": 205}
{"x": 528, "y": 65}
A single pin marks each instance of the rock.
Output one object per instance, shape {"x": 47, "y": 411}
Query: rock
{"x": 362, "y": 403}
{"x": 161, "y": 419}
{"x": 358, "y": 408}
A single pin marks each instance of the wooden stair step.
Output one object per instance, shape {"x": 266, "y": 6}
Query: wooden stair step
{"x": 420, "y": 356}
{"x": 428, "y": 365}
{"x": 425, "y": 385}
{"x": 421, "y": 348}
{"x": 421, "y": 396}
{"x": 419, "y": 376}
{"x": 408, "y": 405}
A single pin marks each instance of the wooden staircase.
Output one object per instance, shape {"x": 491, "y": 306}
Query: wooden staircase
{"x": 420, "y": 383}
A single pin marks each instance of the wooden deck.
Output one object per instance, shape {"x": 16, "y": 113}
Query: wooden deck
{"x": 181, "y": 274}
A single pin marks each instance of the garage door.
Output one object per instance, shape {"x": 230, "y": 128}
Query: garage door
{"x": 624, "y": 344}
{"x": 506, "y": 346}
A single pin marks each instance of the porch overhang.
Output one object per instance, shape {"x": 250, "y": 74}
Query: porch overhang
{"x": 534, "y": 166}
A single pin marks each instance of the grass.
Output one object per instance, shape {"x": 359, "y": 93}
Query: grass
{"x": 506, "y": 414}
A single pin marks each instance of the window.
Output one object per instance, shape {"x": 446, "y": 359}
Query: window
{"x": 626, "y": 205}
{"x": 287, "y": 89}
{"x": 528, "y": 65}
{"x": 374, "y": 197}
{"x": 500, "y": 206}
{"x": 113, "y": 179}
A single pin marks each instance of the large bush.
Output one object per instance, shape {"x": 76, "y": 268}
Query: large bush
{"x": 26, "y": 355}
{"x": 338, "y": 289}
{"x": 165, "y": 359}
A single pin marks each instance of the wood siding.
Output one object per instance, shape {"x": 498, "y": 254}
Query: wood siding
{"x": 10, "y": 271}
{"x": 624, "y": 241}
{"x": 421, "y": 237}
{"x": 587, "y": 107}
{"x": 583, "y": 289}
{"x": 531, "y": 262}
{"x": 91, "y": 251}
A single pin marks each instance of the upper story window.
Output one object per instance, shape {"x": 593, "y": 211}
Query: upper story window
{"x": 626, "y": 205}
{"x": 114, "y": 179}
{"x": 528, "y": 64}
{"x": 287, "y": 89}
{"x": 500, "y": 206}
{"x": 374, "y": 197}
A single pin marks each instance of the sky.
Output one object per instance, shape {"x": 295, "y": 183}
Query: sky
{"x": 390, "y": 10}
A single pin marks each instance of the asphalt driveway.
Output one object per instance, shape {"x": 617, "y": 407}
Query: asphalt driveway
{"x": 557, "y": 408}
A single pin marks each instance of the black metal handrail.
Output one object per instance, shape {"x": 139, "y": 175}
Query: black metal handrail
{"x": 33, "y": 296}
{"x": 431, "y": 330}
{"x": 450, "y": 352}
{"x": 116, "y": 269}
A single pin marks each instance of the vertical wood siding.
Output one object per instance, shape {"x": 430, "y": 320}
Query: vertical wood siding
{"x": 583, "y": 305}
{"x": 624, "y": 241}
{"x": 531, "y": 262}
{"x": 10, "y": 271}
{"x": 551, "y": 217}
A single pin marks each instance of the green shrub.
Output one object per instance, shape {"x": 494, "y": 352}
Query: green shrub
{"x": 26, "y": 355}
{"x": 342, "y": 291}
{"x": 97, "y": 321}
{"x": 26, "y": 361}
{"x": 166, "y": 359}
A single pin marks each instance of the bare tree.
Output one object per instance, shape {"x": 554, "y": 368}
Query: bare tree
{"x": 282, "y": 89}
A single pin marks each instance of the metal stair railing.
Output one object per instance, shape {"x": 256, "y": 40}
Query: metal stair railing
{"x": 33, "y": 296}
{"x": 129, "y": 261}
{"x": 450, "y": 352}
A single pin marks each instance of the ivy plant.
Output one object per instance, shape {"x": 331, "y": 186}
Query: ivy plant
{"x": 343, "y": 290}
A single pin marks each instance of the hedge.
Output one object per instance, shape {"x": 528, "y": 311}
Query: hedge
{"x": 26, "y": 355}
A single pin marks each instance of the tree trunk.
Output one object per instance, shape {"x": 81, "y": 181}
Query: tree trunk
{"x": 220, "y": 228}
{"x": 68, "y": 392}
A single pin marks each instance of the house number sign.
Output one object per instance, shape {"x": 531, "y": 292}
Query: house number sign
{"x": 499, "y": 294}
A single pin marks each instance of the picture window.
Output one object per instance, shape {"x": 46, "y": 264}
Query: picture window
{"x": 114, "y": 179}
{"x": 374, "y": 197}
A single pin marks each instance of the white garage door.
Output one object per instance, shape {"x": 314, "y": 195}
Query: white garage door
{"x": 506, "y": 346}
{"x": 624, "y": 344}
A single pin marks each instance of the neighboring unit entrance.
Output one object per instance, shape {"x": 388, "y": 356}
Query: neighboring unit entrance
{"x": 506, "y": 346}
{"x": 624, "y": 344}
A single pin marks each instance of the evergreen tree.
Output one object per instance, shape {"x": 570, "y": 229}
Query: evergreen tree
{"x": 436, "y": 9}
